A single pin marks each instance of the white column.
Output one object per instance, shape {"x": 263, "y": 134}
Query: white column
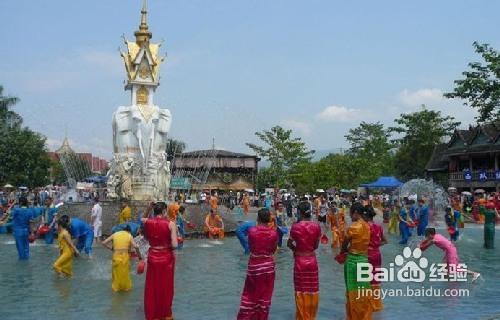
{"x": 133, "y": 91}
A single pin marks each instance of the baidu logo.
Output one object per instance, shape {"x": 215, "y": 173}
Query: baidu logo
{"x": 410, "y": 266}
{"x": 413, "y": 270}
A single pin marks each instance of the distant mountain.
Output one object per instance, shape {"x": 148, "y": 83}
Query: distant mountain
{"x": 318, "y": 155}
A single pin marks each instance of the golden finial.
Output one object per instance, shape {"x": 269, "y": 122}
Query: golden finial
{"x": 143, "y": 34}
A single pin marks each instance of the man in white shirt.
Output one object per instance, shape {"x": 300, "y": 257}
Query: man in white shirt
{"x": 96, "y": 219}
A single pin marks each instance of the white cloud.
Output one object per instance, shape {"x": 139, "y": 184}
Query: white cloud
{"x": 430, "y": 97}
{"x": 433, "y": 99}
{"x": 339, "y": 114}
{"x": 53, "y": 144}
{"x": 301, "y": 126}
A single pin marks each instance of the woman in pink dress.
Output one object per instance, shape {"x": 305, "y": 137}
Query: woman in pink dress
{"x": 259, "y": 284}
{"x": 377, "y": 239}
{"x": 304, "y": 240}
{"x": 450, "y": 251}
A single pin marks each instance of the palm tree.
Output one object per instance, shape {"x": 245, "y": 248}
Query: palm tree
{"x": 8, "y": 118}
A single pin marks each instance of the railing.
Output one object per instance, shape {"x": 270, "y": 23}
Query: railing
{"x": 459, "y": 176}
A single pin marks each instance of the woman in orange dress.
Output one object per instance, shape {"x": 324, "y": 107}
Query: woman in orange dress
{"x": 214, "y": 226}
{"x": 332, "y": 221}
{"x": 246, "y": 204}
{"x": 357, "y": 239}
{"x": 341, "y": 224}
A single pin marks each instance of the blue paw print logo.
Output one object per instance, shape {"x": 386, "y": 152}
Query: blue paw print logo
{"x": 412, "y": 265}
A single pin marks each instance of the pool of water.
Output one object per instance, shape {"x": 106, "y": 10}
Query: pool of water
{"x": 209, "y": 280}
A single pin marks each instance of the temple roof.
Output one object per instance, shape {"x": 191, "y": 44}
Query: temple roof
{"x": 216, "y": 153}
{"x": 438, "y": 161}
{"x": 65, "y": 147}
{"x": 478, "y": 139}
{"x": 475, "y": 139}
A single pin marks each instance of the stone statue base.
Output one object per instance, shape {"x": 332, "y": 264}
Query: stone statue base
{"x": 133, "y": 178}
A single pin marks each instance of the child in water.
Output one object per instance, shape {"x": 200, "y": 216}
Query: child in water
{"x": 452, "y": 218}
{"x": 64, "y": 264}
{"x": 394, "y": 219}
{"x": 451, "y": 255}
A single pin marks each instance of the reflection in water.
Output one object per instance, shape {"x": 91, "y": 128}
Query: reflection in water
{"x": 210, "y": 277}
{"x": 62, "y": 286}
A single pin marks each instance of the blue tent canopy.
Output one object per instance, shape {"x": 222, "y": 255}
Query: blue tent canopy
{"x": 97, "y": 179}
{"x": 383, "y": 182}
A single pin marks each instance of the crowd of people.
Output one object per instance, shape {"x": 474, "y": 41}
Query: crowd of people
{"x": 308, "y": 222}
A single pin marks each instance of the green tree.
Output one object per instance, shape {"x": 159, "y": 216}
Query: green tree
{"x": 303, "y": 176}
{"x": 481, "y": 86}
{"x": 341, "y": 171}
{"x": 264, "y": 179}
{"x": 24, "y": 159}
{"x": 8, "y": 118}
{"x": 282, "y": 151}
{"x": 419, "y": 132}
{"x": 334, "y": 170}
{"x": 371, "y": 144}
{"x": 174, "y": 147}
{"x": 57, "y": 174}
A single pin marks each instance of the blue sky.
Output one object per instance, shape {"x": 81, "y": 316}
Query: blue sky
{"x": 236, "y": 67}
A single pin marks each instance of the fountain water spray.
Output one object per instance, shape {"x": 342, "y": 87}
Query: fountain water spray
{"x": 435, "y": 195}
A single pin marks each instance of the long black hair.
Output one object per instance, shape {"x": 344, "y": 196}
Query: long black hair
{"x": 63, "y": 221}
{"x": 264, "y": 216}
{"x": 304, "y": 209}
{"x": 357, "y": 207}
{"x": 23, "y": 201}
{"x": 369, "y": 213}
{"x": 158, "y": 208}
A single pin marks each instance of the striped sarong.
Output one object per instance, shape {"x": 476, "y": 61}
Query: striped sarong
{"x": 258, "y": 290}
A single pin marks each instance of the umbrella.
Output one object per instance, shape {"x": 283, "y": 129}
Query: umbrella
{"x": 479, "y": 191}
{"x": 331, "y": 190}
{"x": 8, "y": 185}
{"x": 320, "y": 190}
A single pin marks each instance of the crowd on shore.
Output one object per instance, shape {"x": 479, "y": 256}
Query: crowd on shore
{"x": 307, "y": 221}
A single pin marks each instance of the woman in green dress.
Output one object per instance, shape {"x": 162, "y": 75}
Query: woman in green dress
{"x": 490, "y": 215}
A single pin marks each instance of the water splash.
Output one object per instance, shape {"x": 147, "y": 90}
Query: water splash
{"x": 435, "y": 195}
{"x": 99, "y": 269}
{"x": 217, "y": 242}
{"x": 205, "y": 245}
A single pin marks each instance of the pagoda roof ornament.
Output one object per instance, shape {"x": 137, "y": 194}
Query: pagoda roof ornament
{"x": 140, "y": 72}
{"x": 143, "y": 35}
{"x": 65, "y": 147}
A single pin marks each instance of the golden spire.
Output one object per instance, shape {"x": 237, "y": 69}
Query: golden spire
{"x": 143, "y": 34}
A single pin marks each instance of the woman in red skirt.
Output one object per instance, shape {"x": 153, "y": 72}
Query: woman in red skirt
{"x": 159, "y": 289}
{"x": 259, "y": 284}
